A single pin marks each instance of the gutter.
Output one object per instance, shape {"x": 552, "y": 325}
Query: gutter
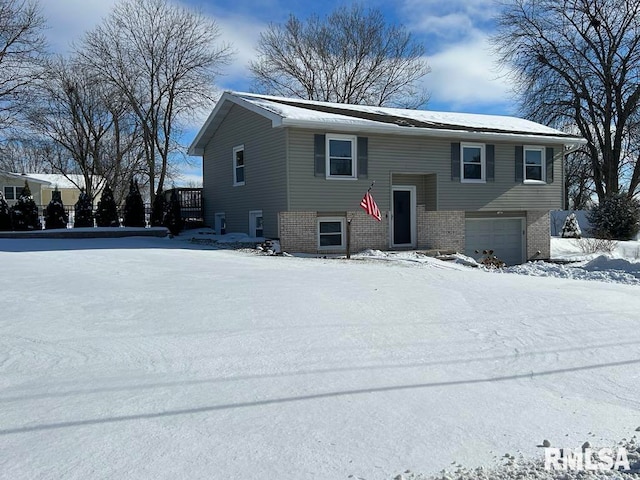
{"x": 362, "y": 127}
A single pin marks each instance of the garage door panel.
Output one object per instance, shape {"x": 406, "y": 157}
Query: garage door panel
{"x": 504, "y": 236}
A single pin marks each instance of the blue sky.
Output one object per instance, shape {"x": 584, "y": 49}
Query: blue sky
{"x": 464, "y": 76}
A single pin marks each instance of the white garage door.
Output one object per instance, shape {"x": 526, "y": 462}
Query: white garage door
{"x": 505, "y": 236}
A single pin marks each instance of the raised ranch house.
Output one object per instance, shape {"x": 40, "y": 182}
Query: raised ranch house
{"x": 297, "y": 170}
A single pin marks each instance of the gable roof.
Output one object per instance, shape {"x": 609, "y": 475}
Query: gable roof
{"x": 23, "y": 176}
{"x": 284, "y": 112}
{"x": 71, "y": 180}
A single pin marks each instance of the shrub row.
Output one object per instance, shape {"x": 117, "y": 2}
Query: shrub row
{"x": 23, "y": 216}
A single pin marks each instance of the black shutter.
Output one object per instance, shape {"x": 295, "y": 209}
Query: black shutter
{"x": 320, "y": 158}
{"x": 455, "y": 162}
{"x": 490, "y": 153}
{"x": 549, "y": 159}
{"x": 363, "y": 157}
{"x": 519, "y": 163}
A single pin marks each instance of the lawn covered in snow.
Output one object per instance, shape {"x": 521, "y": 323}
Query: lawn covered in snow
{"x": 160, "y": 358}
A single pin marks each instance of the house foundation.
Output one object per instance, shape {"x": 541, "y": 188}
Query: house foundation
{"x": 436, "y": 230}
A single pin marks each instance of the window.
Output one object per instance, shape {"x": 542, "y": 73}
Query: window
{"x": 238, "y": 166}
{"x": 331, "y": 233}
{"x": 256, "y": 228}
{"x": 220, "y": 223}
{"x": 12, "y": 193}
{"x": 341, "y": 156}
{"x": 534, "y": 164}
{"x": 473, "y": 162}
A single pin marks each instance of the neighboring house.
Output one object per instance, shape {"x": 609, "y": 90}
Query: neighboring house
{"x": 11, "y": 185}
{"x": 42, "y": 185}
{"x": 297, "y": 170}
{"x": 68, "y": 186}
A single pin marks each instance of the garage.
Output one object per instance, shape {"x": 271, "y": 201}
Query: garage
{"x": 505, "y": 236}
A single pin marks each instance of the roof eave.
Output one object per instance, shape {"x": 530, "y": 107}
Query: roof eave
{"x": 24, "y": 176}
{"x": 426, "y": 132}
{"x": 223, "y": 106}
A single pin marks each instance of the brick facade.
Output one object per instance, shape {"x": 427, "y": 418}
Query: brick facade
{"x": 299, "y": 232}
{"x": 441, "y": 230}
{"x": 538, "y": 235}
{"x": 436, "y": 230}
{"x": 368, "y": 233}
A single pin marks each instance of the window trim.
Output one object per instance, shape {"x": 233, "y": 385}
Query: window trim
{"x": 543, "y": 165}
{"x": 219, "y": 219}
{"x": 343, "y": 233}
{"x": 354, "y": 156}
{"x": 483, "y": 163}
{"x": 253, "y": 224}
{"x": 236, "y": 149}
{"x": 17, "y": 191}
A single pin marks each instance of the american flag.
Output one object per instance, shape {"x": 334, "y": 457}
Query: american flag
{"x": 369, "y": 204}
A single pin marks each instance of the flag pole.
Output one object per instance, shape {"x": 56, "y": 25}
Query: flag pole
{"x": 348, "y": 239}
{"x": 349, "y": 226}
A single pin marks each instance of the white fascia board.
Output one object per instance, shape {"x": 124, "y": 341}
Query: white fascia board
{"x": 220, "y": 110}
{"x": 360, "y": 127}
{"x": 24, "y": 176}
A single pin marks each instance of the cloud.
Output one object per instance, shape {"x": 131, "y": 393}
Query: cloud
{"x": 188, "y": 175}
{"x": 68, "y": 20}
{"x": 243, "y": 34}
{"x": 465, "y": 76}
{"x": 451, "y": 19}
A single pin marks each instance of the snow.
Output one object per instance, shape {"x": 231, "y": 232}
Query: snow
{"x": 470, "y": 120}
{"x": 72, "y": 181}
{"x": 168, "y": 358}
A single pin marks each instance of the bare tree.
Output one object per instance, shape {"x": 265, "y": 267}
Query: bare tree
{"x": 24, "y": 155}
{"x": 577, "y": 62}
{"x": 578, "y": 181}
{"x": 351, "y": 56}
{"x": 163, "y": 60}
{"x": 22, "y": 46}
{"x": 87, "y": 128}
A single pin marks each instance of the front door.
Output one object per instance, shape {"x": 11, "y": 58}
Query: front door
{"x": 403, "y": 217}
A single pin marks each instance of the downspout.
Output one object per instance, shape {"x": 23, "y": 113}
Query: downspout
{"x": 565, "y": 198}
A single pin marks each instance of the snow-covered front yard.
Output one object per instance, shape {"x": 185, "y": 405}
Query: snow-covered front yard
{"x": 153, "y": 358}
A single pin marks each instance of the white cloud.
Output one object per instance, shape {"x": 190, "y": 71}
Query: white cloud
{"x": 243, "y": 34}
{"x": 68, "y": 20}
{"x": 466, "y": 76}
{"x": 453, "y": 19}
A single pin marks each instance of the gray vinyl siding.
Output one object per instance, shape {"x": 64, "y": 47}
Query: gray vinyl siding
{"x": 431, "y": 197}
{"x": 415, "y": 155}
{"x": 426, "y": 188}
{"x": 264, "y": 171}
{"x": 504, "y": 193}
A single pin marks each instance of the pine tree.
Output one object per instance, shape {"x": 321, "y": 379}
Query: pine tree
{"x": 571, "y": 229}
{"x": 158, "y": 211}
{"x": 107, "y": 211}
{"x": 617, "y": 217}
{"x": 5, "y": 215}
{"x": 83, "y": 211}
{"x": 173, "y": 219}
{"x": 24, "y": 214}
{"x": 134, "y": 207}
{"x": 54, "y": 215}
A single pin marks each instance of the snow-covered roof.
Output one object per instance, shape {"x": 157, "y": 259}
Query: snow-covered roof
{"x": 22, "y": 176}
{"x": 285, "y": 112}
{"x": 58, "y": 180}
